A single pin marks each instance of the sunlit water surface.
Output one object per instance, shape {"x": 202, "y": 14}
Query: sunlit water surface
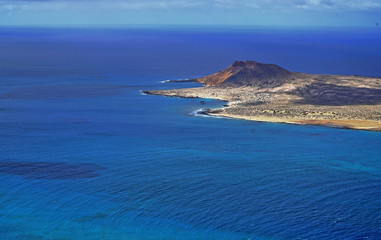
{"x": 83, "y": 155}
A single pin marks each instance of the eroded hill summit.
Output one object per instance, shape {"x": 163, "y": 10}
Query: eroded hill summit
{"x": 248, "y": 73}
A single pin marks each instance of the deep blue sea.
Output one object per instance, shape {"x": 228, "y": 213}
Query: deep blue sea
{"x": 83, "y": 155}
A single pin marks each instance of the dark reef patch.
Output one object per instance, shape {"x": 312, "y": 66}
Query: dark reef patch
{"x": 50, "y": 170}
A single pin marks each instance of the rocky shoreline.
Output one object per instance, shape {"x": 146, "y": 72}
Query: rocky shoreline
{"x": 330, "y": 100}
{"x": 263, "y": 108}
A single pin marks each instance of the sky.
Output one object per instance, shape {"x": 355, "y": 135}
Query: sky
{"x": 284, "y": 13}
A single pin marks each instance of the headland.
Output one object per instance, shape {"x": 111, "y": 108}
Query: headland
{"x": 267, "y": 92}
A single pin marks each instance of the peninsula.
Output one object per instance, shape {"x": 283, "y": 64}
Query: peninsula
{"x": 267, "y": 92}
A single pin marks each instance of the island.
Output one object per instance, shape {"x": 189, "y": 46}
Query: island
{"x": 267, "y": 92}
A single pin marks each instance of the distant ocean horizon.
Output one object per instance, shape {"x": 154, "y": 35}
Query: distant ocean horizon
{"x": 84, "y": 155}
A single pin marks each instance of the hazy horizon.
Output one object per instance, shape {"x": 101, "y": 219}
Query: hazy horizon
{"x": 260, "y": 13}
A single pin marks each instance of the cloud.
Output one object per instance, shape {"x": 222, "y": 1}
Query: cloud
{"x": 321, "y": 5}
{"x": 312, "y": 5}
{"x": 144, "y": 4}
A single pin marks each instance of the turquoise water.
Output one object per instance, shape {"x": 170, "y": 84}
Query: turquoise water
{"x": 85, "y": 156}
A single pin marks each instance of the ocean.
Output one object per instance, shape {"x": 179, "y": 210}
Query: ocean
{"x": 84, "y": 155}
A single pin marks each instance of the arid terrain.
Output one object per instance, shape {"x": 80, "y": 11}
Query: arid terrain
{"x": 267, "y": 92}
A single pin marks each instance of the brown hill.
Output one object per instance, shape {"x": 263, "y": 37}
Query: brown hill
{"x": 248, "y": 73}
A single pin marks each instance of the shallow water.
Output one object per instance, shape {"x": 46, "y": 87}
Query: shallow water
{"x": 85, "y": 156}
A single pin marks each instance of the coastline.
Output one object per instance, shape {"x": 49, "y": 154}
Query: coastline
{"x": 335, "y": 123}
{"x": 233, "y": 106}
